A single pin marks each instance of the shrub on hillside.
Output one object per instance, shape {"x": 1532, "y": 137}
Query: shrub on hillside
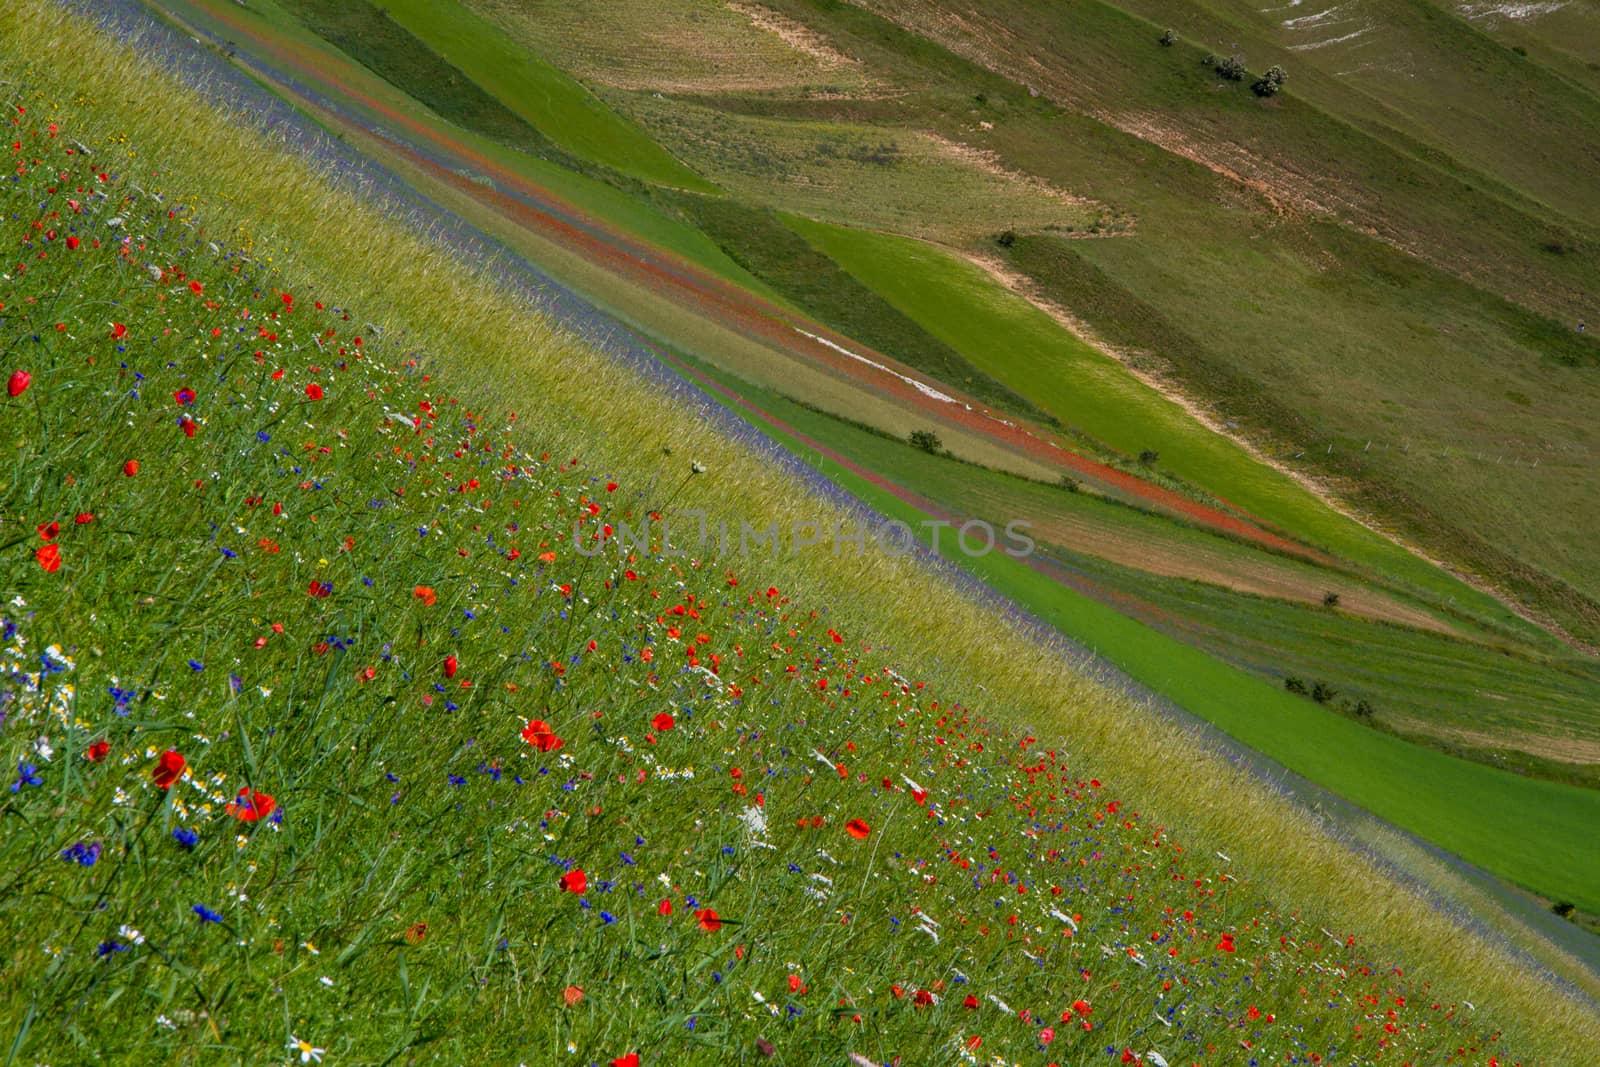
{"x": 1271, "y": 82}
{"x": 1169, "y": 38}
{"x": 1231, "y": 68}
{"x": 927, "y": 440}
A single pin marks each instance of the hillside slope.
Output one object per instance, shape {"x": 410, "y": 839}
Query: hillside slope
{"x": 333, "y": 739}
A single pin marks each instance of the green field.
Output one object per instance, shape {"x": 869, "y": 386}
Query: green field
{"x": 1089, "y": 391}
{"x": 1302, "y": 331}
{"x": 552, "y": 101}
{"x": 340, "y": 727}
{"x": 1309, "y": 326}
{"x": 1500, "y": 821}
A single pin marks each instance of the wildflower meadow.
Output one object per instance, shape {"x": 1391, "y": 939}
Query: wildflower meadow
{"x": 337, "y": 729}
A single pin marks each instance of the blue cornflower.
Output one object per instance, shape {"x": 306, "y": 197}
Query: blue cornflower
{"x": 263, "y": 436}
{"x": 84, "y": 853}
{"x": 456, "y": 779}
{"x": 27, "y": 774}
{"x": 607, "y": 918}
{"x": 206, "y": 914}
{"x": 196, "y": 666}
{"x": 108, "y": 948}
{"x": 185, "y": 838}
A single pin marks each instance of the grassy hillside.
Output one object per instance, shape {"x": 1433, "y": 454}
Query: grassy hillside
{"x": 922, "y": 305}
{"x": 330, "y": 742}
{"x": 1323, "y": 265}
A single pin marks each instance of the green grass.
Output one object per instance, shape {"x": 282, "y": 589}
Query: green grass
{"x": 409, "y": 901}
{"x": 546, "y": 97}
{"x": 879, "y": 176}
{"x": 673, "y": 46}
{"x": 1338, "y": 333}
{"x": 1088, "y": 390}
{"x": 1425, "y": 685}
{"x": 1518, "y": 828}
{"x": 285, "y": 44}
{"x": 761, "y": 243}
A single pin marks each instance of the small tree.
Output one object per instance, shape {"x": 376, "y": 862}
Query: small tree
{"x": 1322, "y": 692}
{"x": 926, "y": 440}
{"x": 1169, "y": 38}
{"x": 1006, "y": 238}
{"x": 1364, "y": 711}
{"x": 1330, "y": 599}
{"x": 1270, "y": 82}
{"x": 1295, "y": 685}
{"x": 1231, "y": 68}
{"x": 1564, "y": 909}
{"x": 1149, "y": 456}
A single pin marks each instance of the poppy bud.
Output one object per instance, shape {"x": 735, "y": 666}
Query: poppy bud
{"x": 130, "y": 468}
{"x": 19, "y": 382}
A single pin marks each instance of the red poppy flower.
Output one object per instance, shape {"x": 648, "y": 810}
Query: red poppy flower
{"x": 319, "y": 589}
{"x": 184, "y": 396}
{"x": 663, "y": 722}
{"x": 73, "y": 243}
{"x": 664, "y": 908}
{"x": 630, "y": 1060}
{"x": 970, "y": 1002}
{"x": 1226, "y": 944}
{"x": 169, "y": 768}
{"x": 97, "y": 751}
{"x": 49, "y": 557}
{"x": 130, "y": 468}
{"x": 538, "y": 734}
{"x": 857, "y": 829}
{"x": 84, "y": 518}
{"x": 575, "y": 881}
{"x": 572, "y": 995}
{"x": 313, "y": 391}
{"x": 197, "y": 287}
{"x": 251, "y": 805}
{"x": 922, "y": 997}
{"x": 1081, "y": 1007}
{"x": 708, "y": 919}
{"x": 19, "y": 382}
{"x": 188, "y": 426}
{"x": 118, "y": 331}
{"x": 425, "y": 594}
{"x": 450, "y": 666}
{"x": 49, "y": 531}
